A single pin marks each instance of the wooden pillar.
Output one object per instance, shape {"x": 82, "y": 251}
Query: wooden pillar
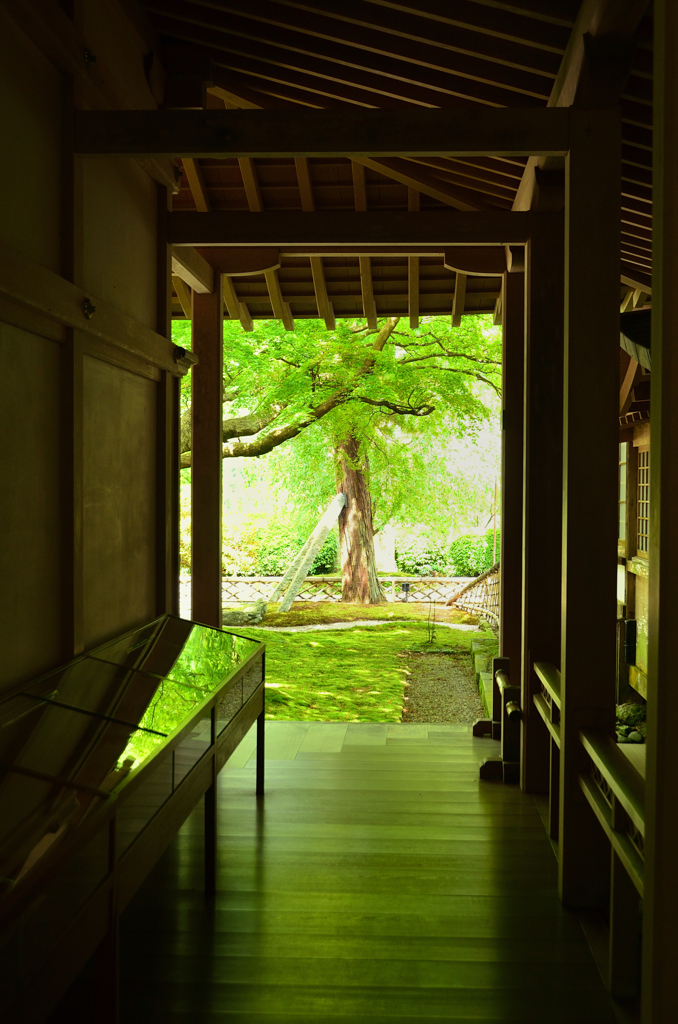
{"x": 660, "y": 935}
{"x": 510, "y": 620}
{"x": 542, "y": 482}
{"x": 590, "y": 489}
{"x": 206, "y": 412}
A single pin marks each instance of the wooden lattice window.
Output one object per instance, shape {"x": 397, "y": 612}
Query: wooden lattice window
{"x": 623, "y": 466}
{"x": 643, "y": 503}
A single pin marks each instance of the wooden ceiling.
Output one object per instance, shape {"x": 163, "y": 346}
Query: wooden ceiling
{"x": 469, "y": 54}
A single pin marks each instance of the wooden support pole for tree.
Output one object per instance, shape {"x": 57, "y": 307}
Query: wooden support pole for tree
{"x": 542, "y": 494}
{"x": 206, "y": 412}
{"x": 660, "y": 936}
{"x": 590, "y": 488}
{"x": 511, "y": 539}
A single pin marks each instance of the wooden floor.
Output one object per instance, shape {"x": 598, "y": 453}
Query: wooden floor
{"x": 377, "y": 881}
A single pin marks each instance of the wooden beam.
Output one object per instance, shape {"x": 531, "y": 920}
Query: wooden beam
{"x": 477, "y": 261}
{"x": 196, "y": 184}
{"x": 369, "y": 306}
{"x": 192, "y": 268}
{"x": 281, "y": 309}
{"x": 325, "y": 310}
{"x": 206, "y": 458}
{"x": 413, "y": 290}
{"x": 251, "y": 184}
{"x": 376, "y": 229}
{"x": 375, "y": 133}
{"x": 627, "y": 301}
{"x": 240, "y": 262}
{"x": 459, "y": 299}
{"x": 237, "y": 310}
{"x": 183, "y": 295}
{"x": 618, "y": 20}
{"x": 359, "y": 187}
{"x": 305, "y": 185}
{"x": 415, "y": 177}
{"x": 634, "y": 277}
{"x": 640, "y": 297}
{"x": 40, "y": 289}
{"x": 633, "y": 372}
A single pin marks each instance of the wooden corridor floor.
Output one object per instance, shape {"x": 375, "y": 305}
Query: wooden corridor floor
{"x": 377, "y": 881}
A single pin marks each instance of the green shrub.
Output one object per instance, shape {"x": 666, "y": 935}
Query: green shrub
{"x": 471, "y": 554}
{"x": 277, "y": 551}
{"x": 419, "y": 555}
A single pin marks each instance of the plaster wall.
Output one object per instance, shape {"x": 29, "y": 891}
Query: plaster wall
{"x": 30, "y": 130}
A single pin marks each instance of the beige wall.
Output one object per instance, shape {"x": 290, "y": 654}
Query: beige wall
{"x": 31, "y": 569}
{"x": 116, "y": 572}
{"x": 119, "y": 503}
{"x": 120, "y": 237}
{"x": 30, "y": 128}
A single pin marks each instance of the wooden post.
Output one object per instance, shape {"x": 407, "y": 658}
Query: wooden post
{"x": 168, "y": 435}
{"x": 660, "y": 936}
{"x": 542, "y": 482}
{"x": 590, "y": 487}
{"x": 511, "y": 540}
{"x": 206, "y": 411}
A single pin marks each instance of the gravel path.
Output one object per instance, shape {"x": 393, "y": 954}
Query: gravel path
{"x": 441, "y": 688}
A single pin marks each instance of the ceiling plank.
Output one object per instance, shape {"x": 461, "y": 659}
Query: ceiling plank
{"x": 459, "y": 299}
{"x": 325, "y": 310}
{"x": 251, "y": 184}
{"x": 413, "y": 290}
{"x": 196, "y": 184}
{"x": 369, "y": 305}
{"x": 281, "y": 309}
{"x": 237, "y": 310}
{"x": 377, "y": 229}
{"x": 305, "y": 185}
{"x": 193, "y": 268}
{"x": 183, "y": 295}
{"x": 284, "y": 133}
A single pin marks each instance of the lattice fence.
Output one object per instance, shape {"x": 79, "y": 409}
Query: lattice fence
{"x": 482, "y": 596}
{"x": 239, "y": 589}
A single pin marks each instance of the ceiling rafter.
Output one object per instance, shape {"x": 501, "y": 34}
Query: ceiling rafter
{"x": 325, "y": 309}
{"x": 237, "y": 310}
{"x": 367, "y": 288}
{"x": 401, "y": 62}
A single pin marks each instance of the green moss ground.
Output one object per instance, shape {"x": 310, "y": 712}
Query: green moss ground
{"x": 356, "y": 675}
{"x": 306, "y": 613}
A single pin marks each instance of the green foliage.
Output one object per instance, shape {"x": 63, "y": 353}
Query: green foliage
{"x": 421, "y": 555}
{"x": 471, "y": 554}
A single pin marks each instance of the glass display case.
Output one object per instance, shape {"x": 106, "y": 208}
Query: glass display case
{"x": 101, "y": 761}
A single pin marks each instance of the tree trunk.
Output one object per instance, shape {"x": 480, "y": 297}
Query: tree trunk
{"x": 359, "y": 581}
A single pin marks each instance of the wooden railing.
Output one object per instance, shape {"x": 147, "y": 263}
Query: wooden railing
{"x": 615, "y": 792}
